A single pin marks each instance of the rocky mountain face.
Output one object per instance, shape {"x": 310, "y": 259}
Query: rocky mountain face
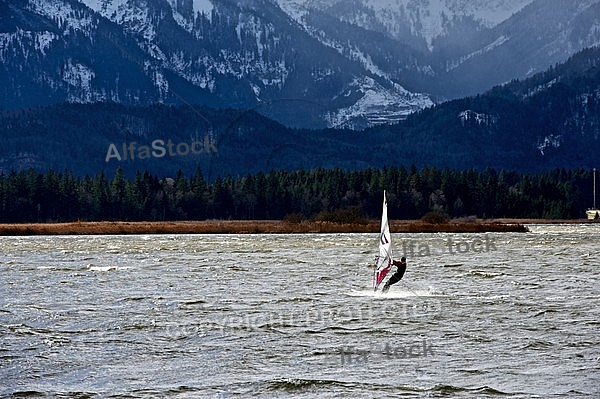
{"x": 351, "y": 63}
{"x": 450, "y": 48}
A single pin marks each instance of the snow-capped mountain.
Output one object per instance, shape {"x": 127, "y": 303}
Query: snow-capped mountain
{"x": 220, "y": 53}
{"x": 451, "y": 48}
{"x": 349, "y": 63}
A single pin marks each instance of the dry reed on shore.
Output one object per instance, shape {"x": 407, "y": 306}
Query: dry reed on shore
{"x": 247, "y": 227}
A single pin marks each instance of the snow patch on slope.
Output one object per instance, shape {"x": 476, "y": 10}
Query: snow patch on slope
{"x": 56, "y": 9}
{"x": 105, "y": 7}
{"x": 133, "y": 15}
{"x": 203, "y": 7}
{"x": 377, "y": 105}
{"x": 496, "y": 43}
{"x": 23, "y": 40}
{"x": 79, "y": 78}
{"x": 593, "y": 38}
{"x": 532, "y": 92}
{"x": 550, "y": 141}
{"x": 199, "y": 7}
{"x": 480, "y": 119}
{"x": 295, "y": 9}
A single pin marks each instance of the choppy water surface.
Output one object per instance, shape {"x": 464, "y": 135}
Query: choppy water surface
{"x": 477, "y": 315}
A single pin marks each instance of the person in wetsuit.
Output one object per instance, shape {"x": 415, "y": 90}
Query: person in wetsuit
{"x": 401, "y": 268}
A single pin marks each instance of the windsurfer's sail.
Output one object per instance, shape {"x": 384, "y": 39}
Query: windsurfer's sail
{"x": 384, "y": 259}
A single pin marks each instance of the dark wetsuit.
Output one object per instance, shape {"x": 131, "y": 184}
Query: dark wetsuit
{"x": 396, "y": 276}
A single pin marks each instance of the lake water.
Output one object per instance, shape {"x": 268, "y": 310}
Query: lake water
{"x": 512, "y": 315}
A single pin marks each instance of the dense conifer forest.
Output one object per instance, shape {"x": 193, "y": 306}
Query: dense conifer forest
{"x": 318, "y": 194}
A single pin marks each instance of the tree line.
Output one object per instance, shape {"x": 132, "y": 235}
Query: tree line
{"x": 33, "y": 196}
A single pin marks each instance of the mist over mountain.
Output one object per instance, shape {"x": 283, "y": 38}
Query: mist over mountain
{"x": 351, "y": 64}
{"x": 416, "y": 20}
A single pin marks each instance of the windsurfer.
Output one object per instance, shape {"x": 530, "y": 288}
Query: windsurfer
{"x": 401, "y": 268}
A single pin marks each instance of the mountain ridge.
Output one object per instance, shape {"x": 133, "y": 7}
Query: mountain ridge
{"x": 253, "y": 53}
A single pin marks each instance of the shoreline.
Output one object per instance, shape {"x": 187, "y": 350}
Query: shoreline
{"x": 270, "y": 227}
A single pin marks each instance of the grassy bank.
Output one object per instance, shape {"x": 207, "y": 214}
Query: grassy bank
{"x": 252, "y": 227}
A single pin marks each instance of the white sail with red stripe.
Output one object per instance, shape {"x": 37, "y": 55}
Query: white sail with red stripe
{"x": 384, "y": 259}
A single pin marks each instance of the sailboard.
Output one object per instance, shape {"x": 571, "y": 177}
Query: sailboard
{"x": 384, "y": 258}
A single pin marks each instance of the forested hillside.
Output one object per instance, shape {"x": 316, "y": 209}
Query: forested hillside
{"x": 549, "y": 121}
